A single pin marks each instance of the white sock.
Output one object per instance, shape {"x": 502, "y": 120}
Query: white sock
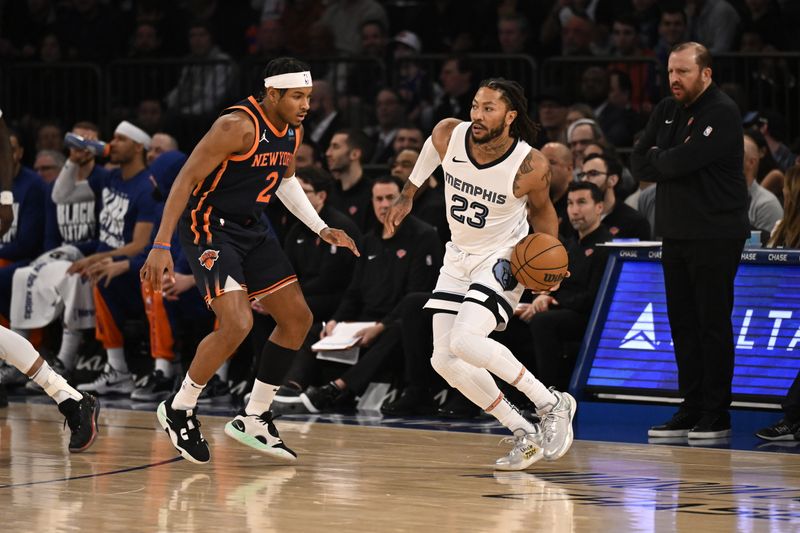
{"x": 54, "y": 385}
{"x": 222, "y": 371}
{"x": 534, "y": 389}
{"x": 165, "y": 366}
{"x": 260, "y": 398}
{"x": 68, "y": 352}
{"x": 507, "y": 414}
{"x": 187, "y": 395}
{"x": 116, "y": 359}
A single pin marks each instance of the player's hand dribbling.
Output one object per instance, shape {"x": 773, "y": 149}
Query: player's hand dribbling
{"x": 157, "y": 265}
{"x": 339, "y": 237}
{"x": 399, "y": 210}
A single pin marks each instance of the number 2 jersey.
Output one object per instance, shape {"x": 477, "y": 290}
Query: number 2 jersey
{"x": 482, "y": 211}
{"x": 242, "y": 185}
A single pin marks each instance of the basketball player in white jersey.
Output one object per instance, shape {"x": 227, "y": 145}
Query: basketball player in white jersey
{"x": 80, "y": 409}
{"x": 491, "y": 173}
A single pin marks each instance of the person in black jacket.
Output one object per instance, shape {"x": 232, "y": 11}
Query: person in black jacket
{"x": 563, "y": 315}
{"x": 323, "y": 270}
{"x": 692, "y": 149}
{"x": 622, "y": 221}
{"x": 390, "y": 267}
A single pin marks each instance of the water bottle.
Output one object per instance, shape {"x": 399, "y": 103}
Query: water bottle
{"x": 98, "y": 148}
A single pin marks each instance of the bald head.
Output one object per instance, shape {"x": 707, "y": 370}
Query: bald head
{"x": 751, "y": 159}
{"x": 702, "y": 57}
{"x": 560, "y": 159}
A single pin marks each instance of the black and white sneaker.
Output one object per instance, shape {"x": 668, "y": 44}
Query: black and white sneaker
{"x": 111, "y": 381}
{"x": 153, "y": 387}
{"x": 678, "y": 426}
{"x": 711, "y": 427}
{"x": 183, "y": 429}
{"x": 81, "y": 417}
{"x": 259, "y": 432}
{"x": 216, "y": 391}
{"x": 781, "y": 430}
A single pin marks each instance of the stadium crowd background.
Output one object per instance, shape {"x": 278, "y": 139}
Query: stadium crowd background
{"x": 385, "y": 72}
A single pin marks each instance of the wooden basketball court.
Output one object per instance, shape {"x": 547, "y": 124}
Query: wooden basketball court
{"x": 354, "y": 478}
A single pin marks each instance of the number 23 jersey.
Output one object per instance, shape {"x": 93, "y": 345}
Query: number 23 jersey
{"x": 482, "y": 211}
{"x": 243, "y": 184}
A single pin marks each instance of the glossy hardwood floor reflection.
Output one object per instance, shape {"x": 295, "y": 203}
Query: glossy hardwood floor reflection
{"x": 352, "y": 478}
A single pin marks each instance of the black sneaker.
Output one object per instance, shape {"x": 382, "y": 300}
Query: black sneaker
{"x": 183, "y": 429}
{"x": 3, "y": 396}
{"x": 216, "y": 391}
{"x": 81, "y": 417}
{"x": 712, "y": 427}
{"x": 781, "y": 430}
{"x": 414, "y": 400}
{"x": 153, "y": 387}
{"x": 319, "y": 399}
{"x": 678, "y": 426}
{"x": 287, "y": 401}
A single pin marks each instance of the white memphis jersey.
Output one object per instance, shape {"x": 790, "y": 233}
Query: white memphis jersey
{"x": 482, "y": 211}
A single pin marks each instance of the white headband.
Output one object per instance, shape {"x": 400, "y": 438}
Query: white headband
{"x": 133, "y": 133}
{"x": 290, "y": 80}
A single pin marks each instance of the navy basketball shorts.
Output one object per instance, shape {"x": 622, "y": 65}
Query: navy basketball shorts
{"x": 231, "y": 257}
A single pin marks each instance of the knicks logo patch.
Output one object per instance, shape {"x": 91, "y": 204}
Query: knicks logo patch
{"x": 208, "y": 258}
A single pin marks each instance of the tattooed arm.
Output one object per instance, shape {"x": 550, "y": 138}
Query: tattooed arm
{"x": 533, "y": 179}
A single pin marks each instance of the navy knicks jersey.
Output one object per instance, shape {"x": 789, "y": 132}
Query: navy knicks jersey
{"x": 242, "y": 185}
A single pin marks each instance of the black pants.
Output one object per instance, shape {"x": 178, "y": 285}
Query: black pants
{"x": 698, "y": 278}
{"x": 550, "y": 330}
{"x": 791, "y": 404}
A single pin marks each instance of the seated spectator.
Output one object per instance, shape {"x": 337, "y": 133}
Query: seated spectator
{"x": 457, "y": 77}
{"x": 429, "y": 203}
{"x": 323, "y": 270}
{"x": 713, "y": 23}
{"x": 389, "y": 113}
{"x": 408, "y": 138}
{"x": 22, "y": 242}
{"x": 323, "y": 117}
{"x": 43, "y": 291}
{"x": 125, "y": 225}
{"x": 389, "y": 268}
{"x": 560, "y": 159}
{"x": 150, "y": 115}
{"x": 617, "y": 121}
{"x": 564, "y": 314}
{"x": 787, "y": 235}
{"x": 513, "y": 34}
{"x": 641, "y": 74}
{"x": 622, "y": 221}
{"x": 671, "y": 31}
{"x": 352, "y": 190}
{"x": 770, "y": 176}
{"x": 773, "y": 127}
{"x": 552, "y": 106}
{"x": 764, "y": 210}
{"x": 307, "y": 155}
{"x": 581, "y": 134}
{"x": 48, "y": 164}
{"x": 201, "y": 87}
{"x": 50, "y": 136}
{"x": 345, "y": 19}
{"x": 578, "y": 111}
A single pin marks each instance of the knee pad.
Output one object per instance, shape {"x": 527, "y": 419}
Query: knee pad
{"x": 445, "y": 365}
{"x": 469, "y": 347}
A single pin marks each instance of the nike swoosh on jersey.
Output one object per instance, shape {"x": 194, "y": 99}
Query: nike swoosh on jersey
{"x": 669, "y": 121}
{"x": 371, "y": 257}
{"x": 457, "y": 160}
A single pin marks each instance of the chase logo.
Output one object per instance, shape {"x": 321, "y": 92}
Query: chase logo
{"x": 642, "y": 335}
{"x": 502, "y": 273}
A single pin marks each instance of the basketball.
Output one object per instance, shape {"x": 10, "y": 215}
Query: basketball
{"x": 539, "y": 261}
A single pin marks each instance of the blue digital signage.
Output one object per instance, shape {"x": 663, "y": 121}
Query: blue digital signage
{"x": 629, "y": 348}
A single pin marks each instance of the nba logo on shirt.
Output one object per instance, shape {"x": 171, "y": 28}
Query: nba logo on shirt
{"x": 707, "y": 131}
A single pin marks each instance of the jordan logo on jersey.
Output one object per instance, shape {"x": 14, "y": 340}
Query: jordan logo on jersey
{"x": 264, "y": 136}
{"x": 208, "y": 258}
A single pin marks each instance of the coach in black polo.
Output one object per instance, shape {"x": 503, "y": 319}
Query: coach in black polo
{"x": 692, "y": 148}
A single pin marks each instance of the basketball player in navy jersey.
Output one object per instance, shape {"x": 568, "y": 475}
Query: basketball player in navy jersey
{"x": 491, "y": 174}
{"x": 243, "y": 162}
{"x": 80, "y": 409}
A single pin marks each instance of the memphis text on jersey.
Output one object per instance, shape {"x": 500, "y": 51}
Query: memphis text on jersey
{"x": 473, "y": 190}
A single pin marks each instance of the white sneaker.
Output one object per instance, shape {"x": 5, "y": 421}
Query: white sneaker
{"x": 109, "y": 382}
{"x": 557, "y": 426}
{"x": 259, "y": 432}
{"x": 526, "y": 451}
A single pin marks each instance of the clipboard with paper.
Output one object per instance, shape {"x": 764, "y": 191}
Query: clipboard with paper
{"x": 341, "y": 345}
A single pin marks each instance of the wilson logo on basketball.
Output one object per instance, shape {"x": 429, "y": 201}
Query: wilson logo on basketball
{"x": 553, "y": 278}
{"x": 208, "y": 258}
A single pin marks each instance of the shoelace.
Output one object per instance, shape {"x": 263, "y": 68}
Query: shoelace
{"x": 519, "y": 442}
